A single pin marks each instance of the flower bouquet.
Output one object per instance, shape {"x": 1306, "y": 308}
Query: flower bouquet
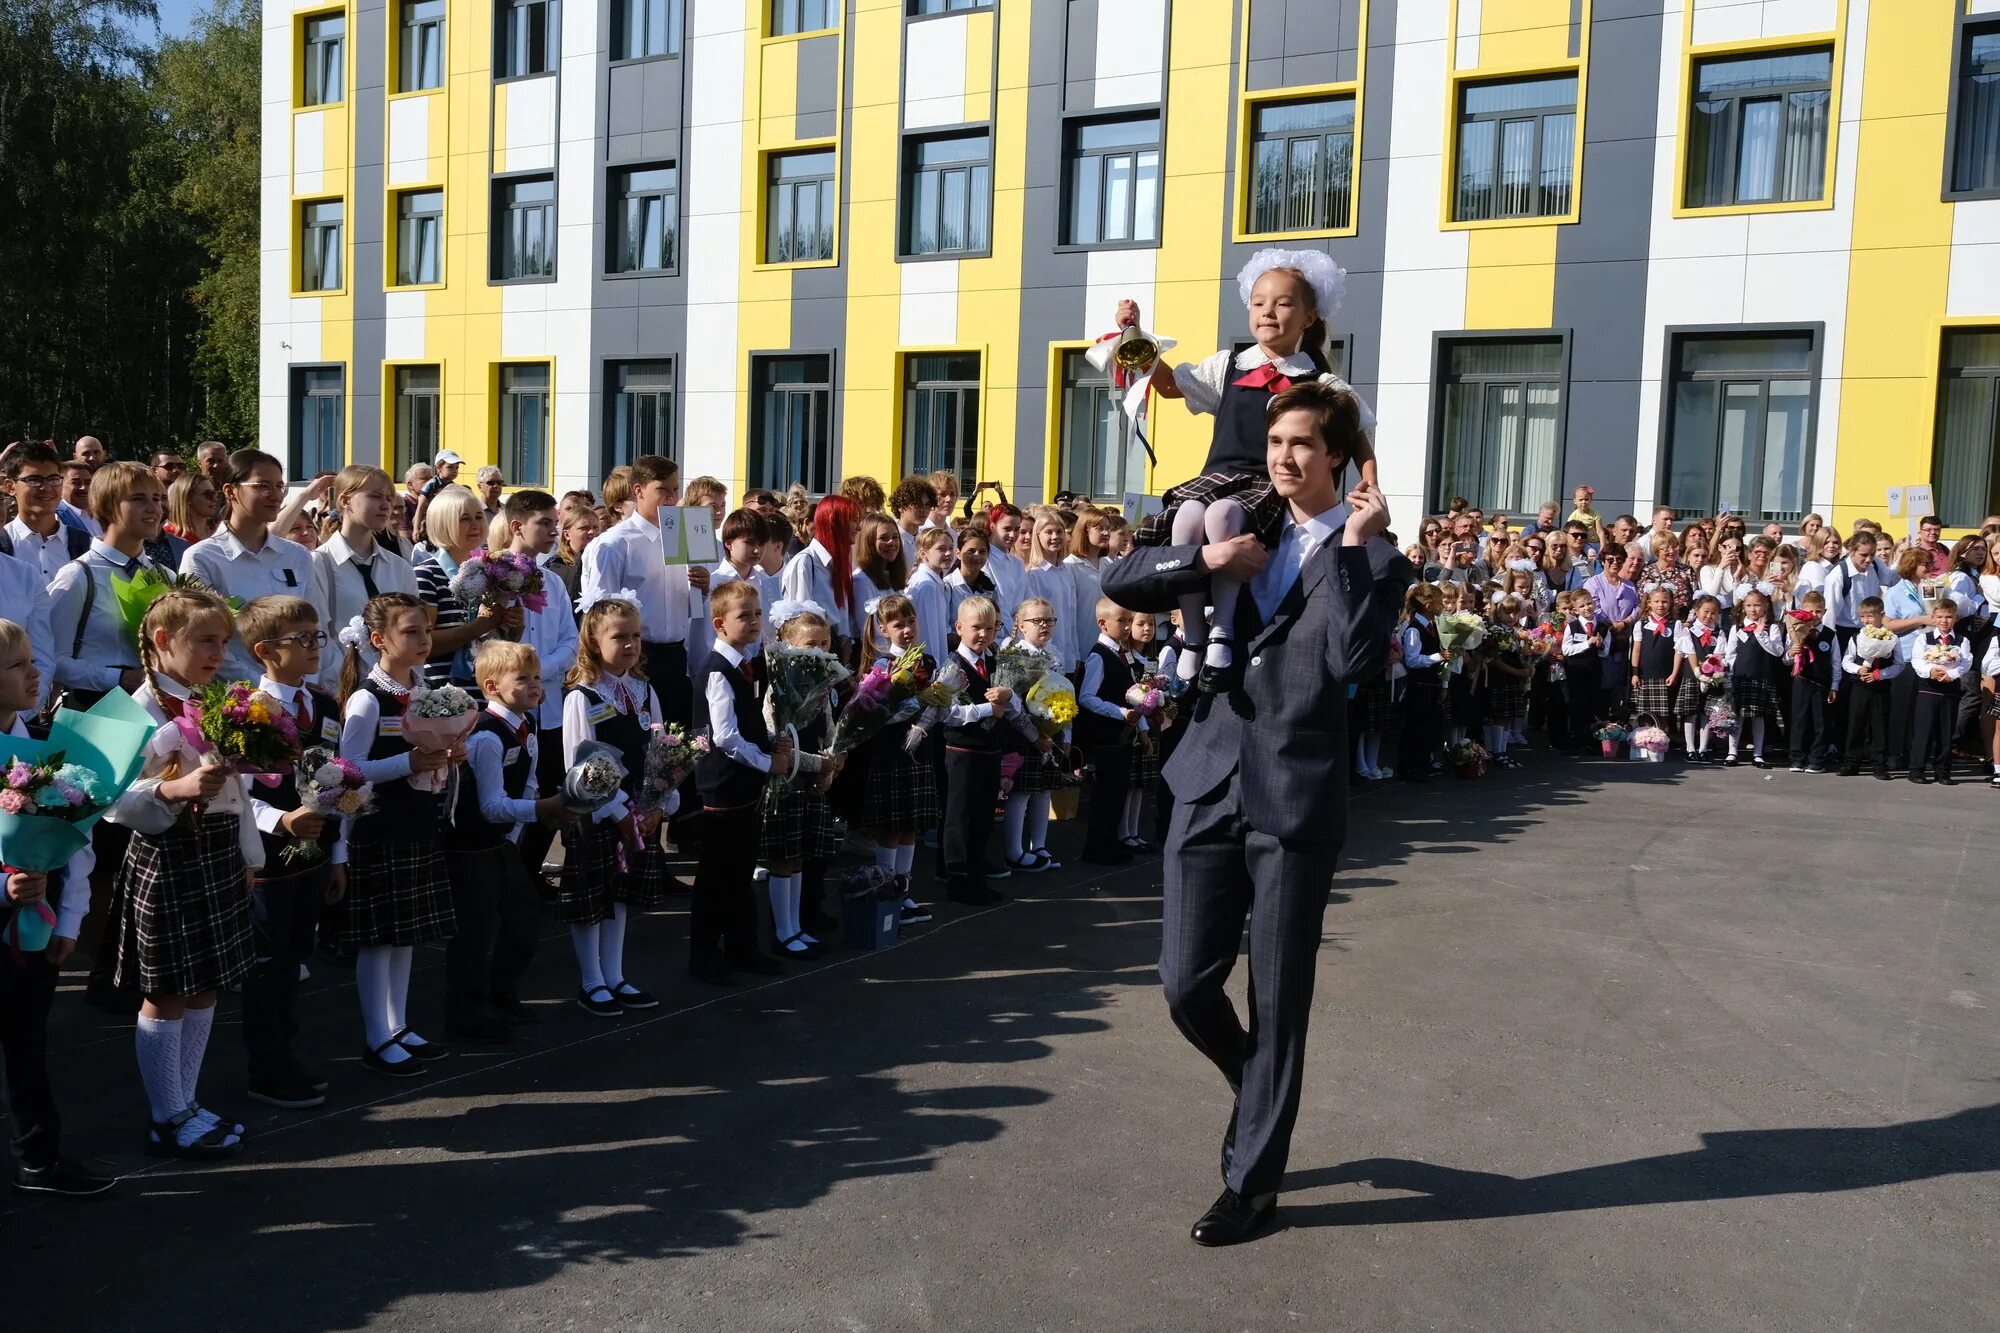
{"x": 1019, "y": 667}
{"x": 595, "y": 780}
{"x": 1611, "y": 738}
{"x": 1875, "y": 644}
{"x": 1720, "y": 718}
{"x": 935, "y": 698}
{"x": 501, "y": 579}
{"x": 1051, "y": 704}
{"x": 437, "y": 719}
{"x": 1148, "y": 695}
{"x": 1460, "y": 631}
{"x": 800, "y": 678}
{"x": 239, "y": 725}
{"x": 671, "y": 754}
{"x": 329, "y": 786}
{"x": 1713, "y": 673}
{"x": 1467, "y": 758}
{"x": 884, "y": 693}
{"x": 1650, "y": 744}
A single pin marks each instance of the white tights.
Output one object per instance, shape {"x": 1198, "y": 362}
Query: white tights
{"x": 1196, "y": 522}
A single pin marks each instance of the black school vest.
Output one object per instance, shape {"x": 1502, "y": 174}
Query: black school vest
{"x": 402, "y": 813}
{"x": 1820, "y": 658}
{"x": 981, "y": 736}
{"x": 625, "y": 732}
{"x": 1238, "y": 442}
{"x": 322, "y": 729}
{"x": 1752, "y": 662}
{"x": 723, "y": 783}
{"x": 1656, "y": 653}
{"x": 470, "y": 831}
{"x": 1118, "y": 677}
{"x": 1427, "y": 642}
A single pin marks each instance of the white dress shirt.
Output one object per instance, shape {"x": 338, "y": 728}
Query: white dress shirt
{"x": 1965, "y": 591}
{"x": 47, "y": 554}
{"x": 909, "y": 546}
{"x": 24, "y": 599}
{"x": 1846, "y": 586}
{"x": 1089, "y": 583}
{"x": 1201, "y": 382}
{"x": 1075, "y": 625}
{"x": 1954, "y": 670}
{"x": 1886, "y": 668}
{"x": 278, "y": 568}
{"x": 932, "y": 597}
{"x": 141, "y": 809}
{"x": 957, "y": 589}
{"x": 964, "y": 715}
{"x": 551, "y": 632}
{"x": 75, "y": 904}
{"x": 629, "y": 556}
{"x": 724, "y": 732}
{"x": 701, "y": 631}
{"x": 339, "y": 593}
{"x": 1296, "y": 545}
{"x": 808, "y": 577}
{"x": 294, "y": 699}
{"x": 1010, "y": 580}
{"x": 487, "y": 756}
{"x": 107, "y": 649}
{"x": 1411, "y": 641}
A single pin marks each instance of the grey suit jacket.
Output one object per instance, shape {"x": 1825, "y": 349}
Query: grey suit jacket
{"x": 1284, "y": 732}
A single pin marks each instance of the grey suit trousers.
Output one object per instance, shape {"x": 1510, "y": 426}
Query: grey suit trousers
{"x": 1218, "y": 871}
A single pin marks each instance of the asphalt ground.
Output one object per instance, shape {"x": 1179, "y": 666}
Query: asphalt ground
{"x": 1595, "y": 1046}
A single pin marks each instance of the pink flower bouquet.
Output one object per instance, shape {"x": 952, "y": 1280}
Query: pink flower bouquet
{"x": 438, "y": 719}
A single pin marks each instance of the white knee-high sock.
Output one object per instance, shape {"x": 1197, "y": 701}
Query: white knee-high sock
{"x": 906, "y": 858}
{"x": 157, "y": 1043}
{"x": 1010, "y": 836}
{"x": 583, "y": 937}
{"x": 1690, "y": 731}
{"x": 1037, "y": 832}
{"x": 611, "y": 945}
{"x": 795, "y": 889}
{"x": 371, "y": 987}
{"x": 195, "y": 1027}
{"x": 781, "y": 894}
{"x": 885, "y": 856}
{"x": 1189, "y": 528}
{"x": 1372, "y": 742}
{"x": 402, "y": 958}
{"x": 1757, "y": 736}
{"x": 1128, "y": 827}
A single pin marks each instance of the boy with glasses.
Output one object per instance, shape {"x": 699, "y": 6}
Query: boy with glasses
{"x": 37, "y": 535}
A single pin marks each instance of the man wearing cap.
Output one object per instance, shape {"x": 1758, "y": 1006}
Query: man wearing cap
{"x": 446, "y": 466}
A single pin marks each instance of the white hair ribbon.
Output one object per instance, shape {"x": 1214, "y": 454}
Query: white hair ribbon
{"x": 354, "y": 634}
{"x": 1327, "y": 279}
{"x": 787, "y": 609}
{"x": 590, "y": 599}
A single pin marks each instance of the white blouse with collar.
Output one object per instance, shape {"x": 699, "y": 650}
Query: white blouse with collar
{"x": 141, "y": 808}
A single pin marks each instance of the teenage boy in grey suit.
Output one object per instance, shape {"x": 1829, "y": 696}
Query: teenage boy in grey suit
{"x": 1259, "y": 781}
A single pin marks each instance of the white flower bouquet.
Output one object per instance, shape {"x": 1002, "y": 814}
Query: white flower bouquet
{"x": 438, "y": 719}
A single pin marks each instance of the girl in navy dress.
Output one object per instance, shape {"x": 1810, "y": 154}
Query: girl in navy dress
{"x": 899, "y": 789}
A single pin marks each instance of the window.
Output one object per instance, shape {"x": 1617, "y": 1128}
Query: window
{"x": 325, "y": 64}
{"x": 790, "y": 16}
{"x": 1968, "y": 428}
{"x": 423, "y": 46}
{"x": 1516, "y": 149}
{"x": 948, "y": 195}
{"x": 1740, "y": 424}
{"x": 791, "y": 422}
{"x": 319, "y": 420}
{"x": 419, "y": 237}
{"x": 941, "y": 416}
{"x": 1302, "y": 165}
{"x": 645, "y": 219}
{"x": 524, "y": 37}
{"x": 1500, "y": 422}
{"x": 524, "y": 228}
{"x": 1975, "y": 111}
{"x": 524, "y": 424}
{"x": 1757, "y": 129}
{"x": 800, "y": 226}
{"x": 419, "y": 417}
{"x": 639, "y": 411}
{"x": 319, "y": 245}
{"x": 646, "y": 28}
{"x": 918, "y": 8}
{"x": 1095, "y": 446}
{"x": 1114, "y": 182}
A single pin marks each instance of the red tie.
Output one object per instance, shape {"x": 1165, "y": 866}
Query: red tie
{"x": 173, "y": 706}
{"x": 521, "y": 733}
{"x": 1945, "y": 639}
{"x": 302, "y": 709}
{"x": 1266, "y": 376}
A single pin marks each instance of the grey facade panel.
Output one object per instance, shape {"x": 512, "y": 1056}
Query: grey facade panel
{"x": 1079, "y": 61}
{"x": 366, "y": 207}
{"x": 625, "y": 93}
{"x": 819, "y": 307}
{"x": 818, "y": 107}
{"x": 664, "y": 84}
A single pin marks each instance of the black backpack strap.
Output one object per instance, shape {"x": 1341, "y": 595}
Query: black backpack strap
{"x": 89, "y": 601}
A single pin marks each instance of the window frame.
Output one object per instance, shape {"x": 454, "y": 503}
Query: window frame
{"x": 395, "y": 464}
{"x": 615, "y": 213}
{"x": 1960, "y": 37}
{"x": 393, "y": 274}
{"x": 397, "y": 49}
{"x": 1579, "y": 69}
{"x": 1944, "y": 377}
{"x": 517, "y": 476}
{"x": 906, "y": 172}
{"x": 300, "y": 230}
{"x": 1540, "y": 115}
{"x": 1442, "y": 342}
{"x": 303, "y": 44}
{"x": 954, "y": 9}
{"x": 1671, "y": 338}
{"x": 766, "y": 162}
{"x": 1072, "y": 123}
{"x": 1692, "y": 55}
{"x": 771, "y": 29}
{"x": 295, "y": 398}
{"x": 552, "y": 40}
{"x": 676, "y": 12}
{"x": 1247, "y": 140}
{"x": 608, "y": 455}
{"x": 831, "y": 387}
{"x": 906, "y": 359}
{"x": 1056, "y": 474}
{"x": 495, "y": 248}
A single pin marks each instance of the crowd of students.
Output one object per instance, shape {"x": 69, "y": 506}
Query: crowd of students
{"x": 204, "y": 883}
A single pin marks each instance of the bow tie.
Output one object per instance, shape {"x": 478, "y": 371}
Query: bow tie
{"x": 1266, "y": 376}
{"x": 1658, "y": 627}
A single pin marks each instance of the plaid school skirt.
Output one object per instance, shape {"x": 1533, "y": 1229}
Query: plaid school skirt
{"x": 398, "y": 895}
{"x": 1694, "y": 700}
{"x": 1263, "y": 505}
{"x": 1754, "y": 697}
{"x": 899, "y": 791}
{"x": 1373, "y": 709}
{"x": 1145, "y": 763}
{"x": 1506, "y": 700}
{"x": 1655, "y": 697}
{"x": 1462, "y": 706}
{"x": 799, "y": 829}
{"x": 184, "y": 910}
{"x": 592, "y": 880}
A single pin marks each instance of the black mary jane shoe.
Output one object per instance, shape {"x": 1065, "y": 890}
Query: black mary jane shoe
{"x": 631, "y": 997}
{"x": 372, "y": 1058}
{"x": 427, "y": 1051}
{"x": 163, "y": 1140}
{"x": 1233, "y": 1219}
{"x": 1219, "y": 680}
{"x": 605, "y": 1007}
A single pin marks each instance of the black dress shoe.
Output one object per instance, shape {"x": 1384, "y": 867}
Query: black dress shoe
{"x": 1218, "y": 680}
{"x": 1232, "y": 1219}
{"x": 60, "y": 1177}
{"x": 511, "y": 1010}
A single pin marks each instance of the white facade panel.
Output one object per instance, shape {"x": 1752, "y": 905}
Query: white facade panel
{"x": 409, "y": 141}
{"x": 309, "y": 152}
{"x": 934, "y": 73}
{"x": 531, "y": 124}
{"x": 929, "y": 306}
{"x": 1131, "y": 52}
{"x": 712, "y": 200}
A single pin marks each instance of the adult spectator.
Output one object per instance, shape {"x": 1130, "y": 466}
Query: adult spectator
{"x": 192, "y": 503}
{"x": 1930, "y": 545}
{"x": 444, "y": 472}
{"x": 628, "y": 556}
{"x": 1617, "y": 597}
{"x": 490, "y": 481}
{"x": 414, "y": 482}
{"x": 1663, "y": 525}
{"x": 244, "y": 559}
{"x": 1809, "y": 533}
{"x": 95, "y": 652}
{"x": 74, "y": 507}
{"x": 35, "y": 535}
{"x": 797, "y": 511}
{"x": 89, "y": 451}
{"x": 762, "y": 503}
{"x": 212, "y": 457}
{"x": 353, "y": 566}
{"x": 168, "y": 467}
{"x": 455, "y": 527}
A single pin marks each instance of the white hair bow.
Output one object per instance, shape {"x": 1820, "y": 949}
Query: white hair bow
{"x": 590, "y": 599}
{"x": 1327, "y": 279}
{"x": 354, "y": 634}
{"x": 787, "y": 609}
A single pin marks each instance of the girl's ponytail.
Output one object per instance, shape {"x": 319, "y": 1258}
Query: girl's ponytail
{"x": 1313, "y": 344}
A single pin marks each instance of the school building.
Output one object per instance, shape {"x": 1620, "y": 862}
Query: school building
{"x": 1700, "y": 252}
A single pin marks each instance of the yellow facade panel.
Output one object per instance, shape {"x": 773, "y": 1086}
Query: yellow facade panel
{"x": 979, "y": 36}
{"x": 874, "y": 280}
{"x": 1510, "y": 278}
{"x": 777, "y": 107}
{"x": 1523, "y": 33}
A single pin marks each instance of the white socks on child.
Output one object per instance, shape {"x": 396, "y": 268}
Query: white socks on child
{"x": 583, "y": 941}
{"x": 785, "y": 893}
{"x": 1016, "y": 819}
{"x": 157, "y": 1041}
{"x": 611, "y": 947}
{"x": 195, "y": 1027}
{"x": 1128, "y": 824}
{"x": 1036, "y": 835}
{"x": 1221, "y": 650}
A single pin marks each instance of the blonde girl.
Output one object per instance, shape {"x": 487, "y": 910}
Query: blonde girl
{"x": 1754, "y": 649}
{"x": 798, "y": 833}
{"x": 1089, "y": 540}
{"x": 398, "y": 887}
{"x": 1423, "y": 661}
{"x": 900, "y": 798}
{"x": 1049, "y": 580}
{"x": 351, "y": 568}
{"x": 614, "y": 865}
{"x": 1507, "y": 677}
{"x": 191, "y": 505}
{"x": 182, "y": 890}
{"x": 1025, "y": 827}
{"x": 879, "y": 566}
{"x": 1656, "y": 666}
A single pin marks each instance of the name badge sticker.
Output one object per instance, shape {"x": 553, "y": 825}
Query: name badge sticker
{"x": 512, "y": 756}
{"x": 329, "y": 731}
{"x": 389, "y": 726}
{"x": 602, "y": 713}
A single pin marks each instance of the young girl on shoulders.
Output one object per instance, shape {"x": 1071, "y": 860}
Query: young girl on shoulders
{"x": 398, "y": 886}
{"x": 183, "y": 889}
{"x": 614, "y": 865}
{"x": 899, "y": 789}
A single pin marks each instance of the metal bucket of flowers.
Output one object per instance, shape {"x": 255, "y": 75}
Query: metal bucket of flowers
{"x": 1611, "y": 738}
{"x": 1649, "y": 740}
